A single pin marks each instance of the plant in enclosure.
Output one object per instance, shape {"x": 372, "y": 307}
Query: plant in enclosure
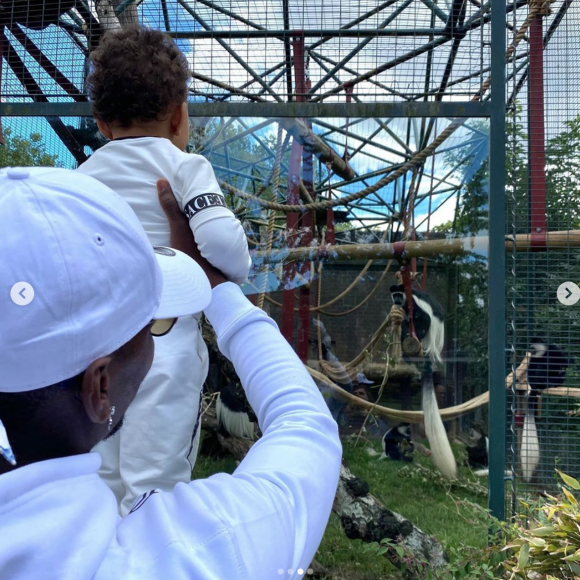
{"x": 551, "y": 549}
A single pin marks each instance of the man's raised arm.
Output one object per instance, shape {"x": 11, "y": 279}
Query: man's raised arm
{"x": 267, "y": 519}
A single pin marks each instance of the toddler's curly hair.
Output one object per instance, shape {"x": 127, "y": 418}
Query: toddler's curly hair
{"x": 137, "y": 75}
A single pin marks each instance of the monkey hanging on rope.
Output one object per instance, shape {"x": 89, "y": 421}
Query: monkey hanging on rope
{"x": 423, "y": 331}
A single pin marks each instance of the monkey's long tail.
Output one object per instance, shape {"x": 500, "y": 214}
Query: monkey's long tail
{"x": 236, "y": 423}
{"x": 441, "y": 449}
{"x": 530, "y": 451}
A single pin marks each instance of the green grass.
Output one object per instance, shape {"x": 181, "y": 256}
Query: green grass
{"x": 417, "y": 494}
{"x": 413, "y": 490}
{"x": 206, "y": 466}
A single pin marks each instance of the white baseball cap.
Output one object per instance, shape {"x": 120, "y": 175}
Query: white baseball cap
{"x": 80, "y": 251}
{"x": 362, "y": 379}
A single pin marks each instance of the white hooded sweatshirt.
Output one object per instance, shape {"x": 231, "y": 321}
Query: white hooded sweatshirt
{"x": 59, "y": 521}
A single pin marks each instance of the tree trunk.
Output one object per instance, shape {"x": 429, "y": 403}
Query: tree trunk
{"x": 364, "y": 517}
{"x": 238, "y": 447}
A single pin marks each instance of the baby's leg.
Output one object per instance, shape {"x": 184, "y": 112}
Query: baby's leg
{"x": 157, "y": 437}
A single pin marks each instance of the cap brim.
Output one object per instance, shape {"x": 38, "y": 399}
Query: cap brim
{"x": 186, "y": 289}
{"x": 363, "y": 380}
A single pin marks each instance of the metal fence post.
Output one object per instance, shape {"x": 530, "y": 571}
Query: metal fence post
{"x": 497, "y": 275}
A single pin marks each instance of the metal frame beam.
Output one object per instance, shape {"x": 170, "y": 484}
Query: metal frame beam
{"x": 212, "y": 34}
{"x": 265, "y": 110}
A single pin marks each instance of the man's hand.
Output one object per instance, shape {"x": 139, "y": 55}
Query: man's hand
{"x": 181, "y": 237}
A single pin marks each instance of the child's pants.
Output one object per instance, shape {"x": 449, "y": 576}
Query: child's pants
{"x": 157, "y": 445}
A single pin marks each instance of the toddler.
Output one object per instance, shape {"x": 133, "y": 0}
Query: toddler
{"x": 137, "y": 85}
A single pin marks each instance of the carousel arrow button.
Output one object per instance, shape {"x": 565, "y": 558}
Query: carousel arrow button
{"x": 568, "y": 293}
{"x": 22, "y": 293}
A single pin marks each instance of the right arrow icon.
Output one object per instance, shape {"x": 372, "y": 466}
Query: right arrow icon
{"x": 568, "y": 293}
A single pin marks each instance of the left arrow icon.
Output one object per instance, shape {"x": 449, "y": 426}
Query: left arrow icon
{"x": 22, "y": 293}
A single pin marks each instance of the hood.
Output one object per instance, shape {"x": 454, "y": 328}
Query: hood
{"x": 57, "y": 520}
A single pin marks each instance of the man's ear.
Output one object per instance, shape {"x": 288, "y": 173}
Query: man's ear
{"x": 179, "y": 120}
{"x": 95, "y": 390}
{"x": 105, "y": 129}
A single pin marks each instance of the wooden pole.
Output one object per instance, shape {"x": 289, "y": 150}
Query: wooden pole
{"x": 421, "y": 249}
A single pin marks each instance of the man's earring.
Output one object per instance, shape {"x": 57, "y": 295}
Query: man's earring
{"x": 110, "y": 422}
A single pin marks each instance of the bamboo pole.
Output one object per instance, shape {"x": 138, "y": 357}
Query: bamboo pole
{"x": 421, "y": 249}
{"x": 376, "y": 371}
{"x": 447, "y": 413}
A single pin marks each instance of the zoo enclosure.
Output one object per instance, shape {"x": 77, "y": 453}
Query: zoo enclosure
{"x": 366, "y": 113}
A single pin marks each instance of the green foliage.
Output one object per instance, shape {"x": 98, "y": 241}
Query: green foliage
{"x": 20, "y": 152}
{"x": 562, "y": 181}
{"x": 562, "y": 170}
{"x": 465, "y": 562}
{"x": 550, "y": 550}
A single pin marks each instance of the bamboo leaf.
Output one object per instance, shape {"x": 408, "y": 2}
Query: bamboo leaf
{"x": 570, "y": 481}
{"x": 544, "y": 531}
{"x": 575, "y": 557}
{"x": 537, "y": 542}
{"x": 570, "y": 497}
{"x": 524, "y": 556}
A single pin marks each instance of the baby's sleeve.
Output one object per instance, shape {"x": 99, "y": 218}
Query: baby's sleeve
{"x": 218, "y": 233}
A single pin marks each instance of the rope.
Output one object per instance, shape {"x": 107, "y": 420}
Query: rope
{"x": 271, "y": 218}
{"x": 428, "y": 232}
{"x": 343, "y": 294}
{"x": 397, "y": 414}
{"x": 364, "y": 300}
{"x": 334, "y": 368}
{"x": 351, "y": 367}
{"x": 447, "y": 414}
{"x": 536, "y": 7}
{"x": 349, "y": 288}
{"x": 395, "y": 330}
{"x": 325, "y": 204}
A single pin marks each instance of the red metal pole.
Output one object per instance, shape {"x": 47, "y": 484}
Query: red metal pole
{"x": 537, "y": 135}
{"x": 306, "y": 225}
{"x": 306, "y": 221}
{"x": 289, "y": 269}
{"x": 293, "y": 220}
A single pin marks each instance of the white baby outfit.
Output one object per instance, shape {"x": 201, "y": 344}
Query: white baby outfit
{"x": 157, "y": 446}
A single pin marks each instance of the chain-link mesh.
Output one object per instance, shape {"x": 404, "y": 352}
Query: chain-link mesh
{"x": 543, "y": 137}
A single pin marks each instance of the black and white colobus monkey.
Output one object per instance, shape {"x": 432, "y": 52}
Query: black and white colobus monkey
{"x": 234, "y": 414}
{"x": 430, "y": 330}
{"x": 478, "y": 450}
{"x": 427, "y": 320}
{"x": 397, "y": 443}
{"x": 546, "y": 368}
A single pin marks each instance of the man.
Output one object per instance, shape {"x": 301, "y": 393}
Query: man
{"x": 355, "y": 417}
{"x": 72, "y": 356}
